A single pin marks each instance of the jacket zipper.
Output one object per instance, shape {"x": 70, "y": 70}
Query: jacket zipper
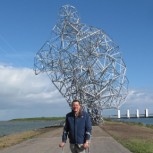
{"x": 75, "y": 129}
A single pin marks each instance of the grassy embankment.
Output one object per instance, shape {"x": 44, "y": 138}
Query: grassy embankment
{"x": 16, "y": 138}
{"x": 39, "y": 119}
{"x": 136, "y": 137}
{"x": 13, "y": 139}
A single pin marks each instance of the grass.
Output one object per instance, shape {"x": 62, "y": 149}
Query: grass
{"x": 150, "y": 126}
{"x": 139, "y": 146}
{"x": 136, "y": 137}
{"x": 39, "y": 119}
{"x": 13, "y": 139}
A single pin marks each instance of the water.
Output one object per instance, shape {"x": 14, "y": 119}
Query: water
{"x": 10, "y": 127}
{"x": 145, "y": 121}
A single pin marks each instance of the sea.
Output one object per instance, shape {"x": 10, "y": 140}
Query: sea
{"x": 11, "y": 127}
{"x": 145, "y": 121}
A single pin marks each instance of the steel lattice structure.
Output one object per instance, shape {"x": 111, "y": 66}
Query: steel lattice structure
{"x": 83, "y": 63}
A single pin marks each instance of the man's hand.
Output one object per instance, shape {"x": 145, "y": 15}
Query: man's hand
{"x": 86, "y": 145}
{"x": 61, "y": 144}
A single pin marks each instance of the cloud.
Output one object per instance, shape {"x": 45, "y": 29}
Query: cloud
{"x": 138, "y": 99}
{"x": 22, "y": 93}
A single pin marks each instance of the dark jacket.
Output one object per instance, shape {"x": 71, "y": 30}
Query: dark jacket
{"x": 78, "y": 128}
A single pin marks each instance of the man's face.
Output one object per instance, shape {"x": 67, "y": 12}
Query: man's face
{"x": 76, "y": 107}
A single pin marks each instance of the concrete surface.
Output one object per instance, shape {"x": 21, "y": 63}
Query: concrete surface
{"x": 101, "y": 142}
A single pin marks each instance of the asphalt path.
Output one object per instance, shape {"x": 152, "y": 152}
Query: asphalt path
{"x": 48, "y": 142}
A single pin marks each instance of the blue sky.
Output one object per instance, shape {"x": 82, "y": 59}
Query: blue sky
{"x": 26, "y": 24}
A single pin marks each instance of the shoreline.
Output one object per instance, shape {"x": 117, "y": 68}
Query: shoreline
{"x": 16, "y": 126}
{"x": 13, "y": 139}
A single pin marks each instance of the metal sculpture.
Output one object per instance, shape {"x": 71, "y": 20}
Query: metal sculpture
{"x": 83, "y": 63}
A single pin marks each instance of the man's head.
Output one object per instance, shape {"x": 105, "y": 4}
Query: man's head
{"x": 76, "y": 106}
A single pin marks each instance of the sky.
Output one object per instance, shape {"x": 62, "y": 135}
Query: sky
{"x": 25, "y": 25}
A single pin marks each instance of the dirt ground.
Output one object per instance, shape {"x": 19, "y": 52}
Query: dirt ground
{"x": 126, "y": 131}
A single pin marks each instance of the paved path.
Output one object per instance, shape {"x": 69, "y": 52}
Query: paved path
{"x": 48, "y": 143}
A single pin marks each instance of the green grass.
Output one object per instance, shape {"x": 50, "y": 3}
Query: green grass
{"x": 134, "y": 142}
{"x": 149, "y": 126}
{"x": 138, "y": 145}
{"x": 39, "y": 119}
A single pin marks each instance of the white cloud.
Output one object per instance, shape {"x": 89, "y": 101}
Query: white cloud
{"x": 139, "y": 99}
{"x": 22, "y": 93}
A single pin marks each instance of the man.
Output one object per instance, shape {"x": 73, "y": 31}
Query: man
{"x": 78, "y": 128}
